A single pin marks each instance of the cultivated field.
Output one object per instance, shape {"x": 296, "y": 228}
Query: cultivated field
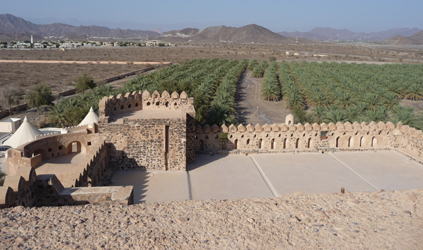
{"x": 26, "y": 74}
{"x": 203, "y": 83}
{"x": 233, "y": 91}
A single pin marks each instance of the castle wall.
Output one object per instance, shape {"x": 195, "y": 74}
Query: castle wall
{"x": 23, "y": 187}
{"x": 48, "y": 147}
{"x": 135, "y": 101}
{"x": 142, "y": 143}
{"x": 280, "y": 138}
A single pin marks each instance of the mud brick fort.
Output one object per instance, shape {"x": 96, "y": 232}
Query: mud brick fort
{"x": 153, "y": 131}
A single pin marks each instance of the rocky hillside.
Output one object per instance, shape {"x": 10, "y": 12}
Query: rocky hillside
{"x": 247, "y": 34}
{"x": 416, "y": 39}
{"x": 329, "y": 34}
{"x": 10, "y": 24}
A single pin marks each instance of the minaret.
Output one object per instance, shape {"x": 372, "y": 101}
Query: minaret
{"x": 32, "y": 39}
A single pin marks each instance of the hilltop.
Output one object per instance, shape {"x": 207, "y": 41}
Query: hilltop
{"x": 247, "y": 34}
{"x": 416, "y": 39}
{"x": 11, "y": 25}
{"x": 329, "y": 34}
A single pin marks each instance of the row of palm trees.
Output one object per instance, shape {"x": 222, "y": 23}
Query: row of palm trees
{"x": 259, "y": 69}
{"x": 252, "y": 64}
{"x": 290, "y": 89}
{"x": 344, "y": 92}
{"x": 270, "y": 87}
{"x": 222, "y": 108}
{"x": 206, "y": 91}
{"x": 332, "y": 91}
{"x": 207, "y": 80}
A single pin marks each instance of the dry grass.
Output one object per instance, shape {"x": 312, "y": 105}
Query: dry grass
{"x": 59, "y": 77}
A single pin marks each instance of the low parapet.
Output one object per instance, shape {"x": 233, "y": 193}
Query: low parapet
{"x": 135, "y": 101}
{"x": 347, "y": 126}
{"x": 28, "y": 190}
{"x": 23, "y": 187}
{"x": 309, "y": 137}
{"x": 19, "y": 189}
{"x": 47, "y": 147}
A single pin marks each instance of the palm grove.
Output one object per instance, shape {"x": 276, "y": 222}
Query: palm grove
{"x": 315, "y": 92}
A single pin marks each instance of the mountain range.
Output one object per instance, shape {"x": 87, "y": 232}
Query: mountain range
{"x": 10, "y": 24}
{"x": 329, "y": 34}
{"x": 416, "y": 39}
{"x": 247, "y": 34}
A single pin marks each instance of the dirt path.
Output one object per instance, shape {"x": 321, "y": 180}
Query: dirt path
{"x": 252, "y": 109}
{"x": 417, "y": 105}
{"x": 83, "y": 62}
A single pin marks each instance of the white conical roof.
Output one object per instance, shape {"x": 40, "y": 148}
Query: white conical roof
{"x": 25, "y": 133}
{"x": 91, "y": 118}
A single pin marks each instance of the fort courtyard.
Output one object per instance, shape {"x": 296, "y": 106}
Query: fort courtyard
{"x": 273, "y": 175}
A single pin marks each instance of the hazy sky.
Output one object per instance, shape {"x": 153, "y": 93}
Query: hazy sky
{"x": 276, "y": 15}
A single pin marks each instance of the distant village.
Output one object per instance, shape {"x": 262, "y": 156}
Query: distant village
{"x": 67, "y": 45}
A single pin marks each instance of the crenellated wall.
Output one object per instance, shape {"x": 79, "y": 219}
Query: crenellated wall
{"x": 148, "y": 132}
{"x": 308, "y": 137}
{"x": 136, "y": 101}
{"x": 47, "y": 190}
{"x": 74, "y": 186}
{"x": 157, "y": 132}
{"x": 50, "y": 146}
{"x": 409, "y": 140}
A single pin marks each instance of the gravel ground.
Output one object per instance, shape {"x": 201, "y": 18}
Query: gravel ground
{"x": 384, "y": 220}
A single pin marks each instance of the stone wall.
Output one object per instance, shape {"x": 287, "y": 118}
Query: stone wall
{"x": 47, "y": 190}
{"x": 409, "y": 140}
{"x": 50, "y": 146}
{"x": 52, "y": 193}
{"x": 23, "y": 187}
{"x": 6, "y": 112}
{"x": 20, "y": 189}
{"x": 135, "y": 101}
{"x": 308, "y": 137}
{"x": 140, "y": 143}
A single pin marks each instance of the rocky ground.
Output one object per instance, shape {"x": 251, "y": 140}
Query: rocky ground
{"x": 385, "y": 220}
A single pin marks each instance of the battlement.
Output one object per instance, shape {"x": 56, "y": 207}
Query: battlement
{"x": 309, "y": 137}
{"x": 62, "y": 185}
{"x": 137, "y": 101}
{"x": 347, "y": 126}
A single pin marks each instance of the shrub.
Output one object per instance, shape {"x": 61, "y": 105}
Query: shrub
{"x": 84, "y": 82}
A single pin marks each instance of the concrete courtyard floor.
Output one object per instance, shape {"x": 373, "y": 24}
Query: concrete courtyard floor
{"x": 271, "y": 175}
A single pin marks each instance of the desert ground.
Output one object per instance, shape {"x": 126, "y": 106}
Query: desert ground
{"x": 60, "y": 77}
{"x": 382, "y": 220}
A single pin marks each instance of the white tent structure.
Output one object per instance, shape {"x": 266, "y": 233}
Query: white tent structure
{"x": 26, "y": 133}
{"x": 91, "y": 118}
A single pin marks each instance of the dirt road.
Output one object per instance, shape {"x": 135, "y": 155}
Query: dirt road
{"x": 252, "y": 109}
{"x": 83, "y": 62}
